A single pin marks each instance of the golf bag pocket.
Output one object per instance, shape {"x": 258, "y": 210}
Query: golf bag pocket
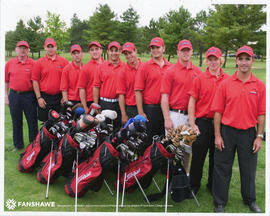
{"x": 180, "y": 188}
{"x": 91, "y": 172}
{"x": 58, "y": 161}
{"x": 35, "y": 151}
{"x": 155, "y": 156}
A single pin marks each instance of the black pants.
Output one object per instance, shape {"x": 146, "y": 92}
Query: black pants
{"x": 131, "y": 111}
{"x": 242, "y": 141}
{"x": 155, "y": 125}
{"x": 19, "y": 103}
{"x": 53, "y": 102}
{"x": 204, "y": 142}
{"x": 112, "y": 106}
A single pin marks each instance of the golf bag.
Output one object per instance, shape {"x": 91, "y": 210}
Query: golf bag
{"x": 62, "y": 160}
{"x": 91, "y": 172}
{"x": 155, "y": 156}
{"x": 35, "y": 151}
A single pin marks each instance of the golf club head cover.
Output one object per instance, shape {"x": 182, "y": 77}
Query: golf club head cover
{"x": 78, "y": 112}
{"x": 110, "y": 114}
{"x": 86, "y": 122}
{"x": 94, "y": 109}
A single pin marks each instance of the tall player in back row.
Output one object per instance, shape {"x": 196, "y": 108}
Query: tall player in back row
{"x": 176, "y": 83}
{"x": 46, "y": 78}
{"x": 147, "y": 88}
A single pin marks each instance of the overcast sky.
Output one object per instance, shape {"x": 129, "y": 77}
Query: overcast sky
{"x": 14, "y": 10}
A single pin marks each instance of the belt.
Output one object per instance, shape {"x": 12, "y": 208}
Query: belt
{"x": 109, "y": 99}
{"x": 185, "y": 112}
{"x": 152, "y": 105}
{"x": 206, "y": 119}
{"x": 20, "y": 92}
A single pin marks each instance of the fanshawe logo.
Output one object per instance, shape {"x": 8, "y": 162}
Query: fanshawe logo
{"x": 84, "y": 176}
{"x": 135, "y": 172}
{"x": 11, "y": 204}
{"x": 30, "y": 156}
{"x": 60, "y": 66}
{"x": 27, "y": 69}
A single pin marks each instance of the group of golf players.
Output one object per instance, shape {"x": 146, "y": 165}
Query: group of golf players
{"x": 223, "y": 110}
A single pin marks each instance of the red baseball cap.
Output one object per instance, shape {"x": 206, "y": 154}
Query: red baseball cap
{"x": 49, "y": 41}
{"x": 75, "y": 47}
{"x": 184, "y": 44}
{"x": 213, "y": 51}
{"x": 114, "y": 44}
{"x": 22, "y": 43}
{"x": 245, "y": 49}
{"x": 96, "y": 43}
{"x": 128, "y": 46}
{"x": 157, "y": 41}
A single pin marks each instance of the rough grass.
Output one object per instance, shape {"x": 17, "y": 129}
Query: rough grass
{"x": 25, "y": 187}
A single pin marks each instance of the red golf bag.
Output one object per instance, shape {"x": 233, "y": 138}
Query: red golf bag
{"x": 61, "y": 162}
{"x": 35, "y": 151}
{"x": 155, "y": 156}
{"x": 91, "y": 172}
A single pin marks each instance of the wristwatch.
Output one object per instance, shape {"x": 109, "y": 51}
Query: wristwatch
{"x": 260, "y": 135}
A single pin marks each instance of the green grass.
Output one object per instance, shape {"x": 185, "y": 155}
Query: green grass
{"x": 25, "y": 187}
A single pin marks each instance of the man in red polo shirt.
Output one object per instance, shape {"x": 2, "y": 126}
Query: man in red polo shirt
{"x": 21, "y": 97}
{"x": 239, "y": 105}
{"x": 201, "y": 96}
{"x": 70, "y": 76}
{"x": 175, "y": 86}
{"x": 125, "y": 82}
{"x": 86, "y": 78}
{"x": 147, "y": 88}
{"x": 104, "y": 88}
{"x": 46, "y": 78}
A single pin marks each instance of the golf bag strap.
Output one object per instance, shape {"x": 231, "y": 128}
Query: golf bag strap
{"x": 46, "y": 132}
{"x": 163, "y": 151}
{"x": 72, "y": 142}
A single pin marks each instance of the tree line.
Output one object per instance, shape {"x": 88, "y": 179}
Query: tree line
{"x": 225, "y": 26}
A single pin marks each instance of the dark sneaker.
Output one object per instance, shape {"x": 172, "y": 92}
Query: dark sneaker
{"x": 254, "y": 208}
{"x": 219, "y": 209}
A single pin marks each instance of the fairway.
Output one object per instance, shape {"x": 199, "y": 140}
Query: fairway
{"x": 23, "y": 187}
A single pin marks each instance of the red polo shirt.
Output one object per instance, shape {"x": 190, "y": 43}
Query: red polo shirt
{"x": 86, "y": 78}
{"x": 203, "y": 90}
{"x": 240, "y": 103}
{"x": 48, "y": 73}
{"x": 106, "y": 78}
{"x": 148, "y": 81}
{"x": 18, "y": 74}
{"x": 177, "y": 82}
{"x": 69, "y": 81}
{"x": 125, "y": 83}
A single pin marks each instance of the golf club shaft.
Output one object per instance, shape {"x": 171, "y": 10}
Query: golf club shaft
{"x": 123, "y": 192}
{"x": 76, "y": 193}
{"x": 117, "y": 192}
{"x": 167, "y": 186}
{"x": 49, "y": 173}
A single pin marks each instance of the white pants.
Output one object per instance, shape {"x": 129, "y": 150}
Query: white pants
{"x": 181, "y": 119}
{"x": 178, "y": 119}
